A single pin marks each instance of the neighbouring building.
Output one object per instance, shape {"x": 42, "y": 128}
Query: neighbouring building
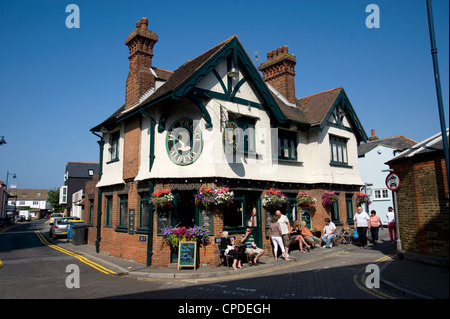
{"x": 423, "y": 201}
{"x": 32, "y": 203}
{"x": 215, "y": 122}
{"x": 75, "y": 177}
{"x": 372, "y": 156}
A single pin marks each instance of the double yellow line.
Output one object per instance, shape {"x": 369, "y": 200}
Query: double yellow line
{"x": 362, "y": 285}
{"x": 79, "y": 257}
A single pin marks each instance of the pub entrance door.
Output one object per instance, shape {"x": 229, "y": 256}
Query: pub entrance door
{"x": 183, "y": 213}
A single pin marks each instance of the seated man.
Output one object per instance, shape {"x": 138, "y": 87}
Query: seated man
{"x": 251, "y": 249}
{"x": 328, "y": 233}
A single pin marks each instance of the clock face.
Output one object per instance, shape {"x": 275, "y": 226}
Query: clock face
{"x": 184, "y": 142}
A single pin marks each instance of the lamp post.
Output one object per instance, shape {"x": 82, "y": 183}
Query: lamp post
{"x": 437, "y": 81}
{"x": 7, "y": 177}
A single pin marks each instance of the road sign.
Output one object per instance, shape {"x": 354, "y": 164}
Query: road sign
{"x": 393, "y": 181}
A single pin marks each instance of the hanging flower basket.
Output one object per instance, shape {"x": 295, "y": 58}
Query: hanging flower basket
{"x": 205, "y": 196}
{"x": 274, "y": 199}
{"x": 223, "y": 196}
{"x": 329, "y": 198}
{"x": 162, "y": 199}
{"x": 362, "y": 198}
{"x": 304, "y": 199}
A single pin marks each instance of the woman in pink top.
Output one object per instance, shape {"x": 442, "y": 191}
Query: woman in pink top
{"x": 375, "y": 224}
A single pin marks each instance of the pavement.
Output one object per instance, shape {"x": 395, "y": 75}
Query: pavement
{"x": 407, "y": 278}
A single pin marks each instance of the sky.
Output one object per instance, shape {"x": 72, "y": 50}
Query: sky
{"x": 56, "y": 83}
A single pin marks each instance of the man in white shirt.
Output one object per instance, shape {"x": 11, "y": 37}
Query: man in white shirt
{"x": 285, "y": 230}
{"x": 361, "y": 224}
{"x": 328, "y": 233}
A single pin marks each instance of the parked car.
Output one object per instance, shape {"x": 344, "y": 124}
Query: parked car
{"x": 60, "y": 226}
{"x": 53, "y": 216}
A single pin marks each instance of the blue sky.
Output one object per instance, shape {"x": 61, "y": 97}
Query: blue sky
{"x": 57, "y": 83}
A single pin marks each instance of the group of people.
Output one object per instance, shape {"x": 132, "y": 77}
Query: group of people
{"x": 283, "y": 235}
{"x": 363, "y": 222}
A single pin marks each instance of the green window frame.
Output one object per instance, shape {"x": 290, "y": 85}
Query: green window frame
{"x": 287, "y": 145}
{"x": 114, "y": 146}
{"x": 144, "y": 212}
{"x": 338, "y": 148}
{"x": 108, "y": 219}
{"x": 123, "y": 212}
{"x": 91, "y": 210}
{"x": 247, "y": 143}
{"x": 349, "y": 207}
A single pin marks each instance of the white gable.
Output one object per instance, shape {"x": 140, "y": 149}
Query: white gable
{"x": 246, "y": 90}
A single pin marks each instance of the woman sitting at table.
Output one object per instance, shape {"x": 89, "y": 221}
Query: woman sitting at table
{"x": 227, "y": 244}
{"x": 296, "y": 235}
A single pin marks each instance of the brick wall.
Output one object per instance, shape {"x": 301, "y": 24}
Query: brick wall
{"x": 132, "y": 144}
{"x": 423, "y": 205}
{"x": 124, "y": 245}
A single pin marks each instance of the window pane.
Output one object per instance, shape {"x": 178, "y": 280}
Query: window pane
{"x": 251, "y": 139}
{"x": 233, "y": 214}
{"x": 286, "y": 148}
{"x": 123, "y": 212}
{"x": 144, "y": 213}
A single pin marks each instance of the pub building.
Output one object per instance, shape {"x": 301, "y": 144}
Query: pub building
{"x": 216, "y": 123}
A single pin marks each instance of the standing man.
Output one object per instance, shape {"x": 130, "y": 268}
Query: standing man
{"x": 250, "y": 247}
{"x": 361, "y": 224}
{"x": 285, "y": 230}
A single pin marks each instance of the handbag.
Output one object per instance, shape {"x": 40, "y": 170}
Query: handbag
{"x": 355, "y": 234}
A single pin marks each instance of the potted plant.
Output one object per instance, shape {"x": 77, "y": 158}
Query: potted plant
{"x": 362, "y": 198}
{"x": 304, "y": 199}
{"x": 162, "y": 199}
{"x": 329, "y": 198}
{"x": 174, "y": 235}
{"x": 274, "y": 199}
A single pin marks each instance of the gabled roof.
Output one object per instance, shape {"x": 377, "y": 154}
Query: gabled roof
{"x": 316, "y": 109}
{"x": 310, "y": 112}
{"x": 398, "y": 142}
{"x": 28, "y": 194}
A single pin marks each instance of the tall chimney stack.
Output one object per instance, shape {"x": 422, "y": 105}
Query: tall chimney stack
{"x": 140, "y": 78}
{"x": 278, "y": 71}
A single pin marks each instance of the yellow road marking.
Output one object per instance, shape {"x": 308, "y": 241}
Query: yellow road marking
{"x": 372, "y": 291}
{"x": 79, "y": 257}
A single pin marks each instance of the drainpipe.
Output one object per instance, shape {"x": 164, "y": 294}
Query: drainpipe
{"x": 101, "y": 144}
{"x": 151, "y": 188}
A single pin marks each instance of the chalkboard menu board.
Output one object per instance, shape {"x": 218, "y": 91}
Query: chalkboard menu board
{"x": 187, "y": 254}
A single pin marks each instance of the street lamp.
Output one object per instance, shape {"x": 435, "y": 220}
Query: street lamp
{"x": 7, "y": 177}
{"x": 2, "y": 140}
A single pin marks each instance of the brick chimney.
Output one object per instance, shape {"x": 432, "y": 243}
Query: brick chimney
{"x": 278, "y": 71}
{"x": 373, "y": 137}
{"x": 140, "y": 78}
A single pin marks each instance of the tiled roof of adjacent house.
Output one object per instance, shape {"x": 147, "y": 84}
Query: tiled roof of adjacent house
{"x": 398, "y": 142}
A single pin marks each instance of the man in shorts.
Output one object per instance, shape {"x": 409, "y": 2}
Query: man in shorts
{"x": 250, "y": 247}
{"x": 285, "y": 230}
